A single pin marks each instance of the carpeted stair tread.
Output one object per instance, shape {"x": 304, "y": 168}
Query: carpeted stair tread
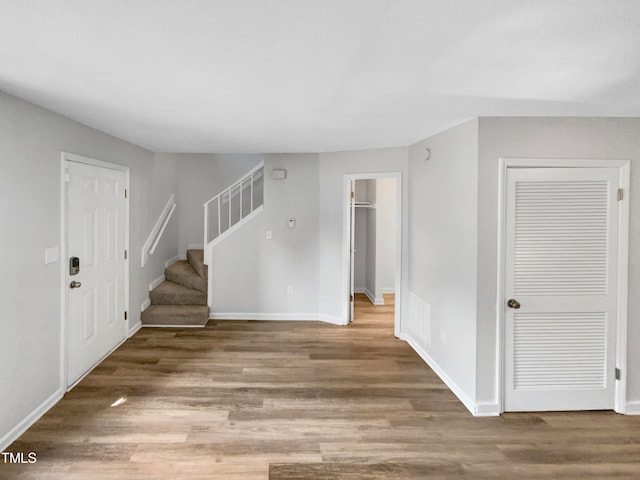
{"x": 192, "y": 315}
{"x": 196, "y": 259}
{"x": 184, "y": 274}
{"x": 170, "y": 293}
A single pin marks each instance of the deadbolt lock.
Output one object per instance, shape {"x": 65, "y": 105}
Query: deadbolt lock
{"x": 74, "y": 266}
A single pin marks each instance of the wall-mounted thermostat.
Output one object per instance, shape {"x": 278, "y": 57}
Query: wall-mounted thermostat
{"x": 292, "y": 223}
{"x": 278, "y": 174}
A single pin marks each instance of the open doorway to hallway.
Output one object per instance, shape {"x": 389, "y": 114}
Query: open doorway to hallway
{"x": 374, "y": 247}
{"x": 373, "y": 243}
{"x": 368, "y": 315}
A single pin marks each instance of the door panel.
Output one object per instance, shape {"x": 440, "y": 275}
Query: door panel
{"x": 96, "y": 235}
{"x": 561, "y": 261}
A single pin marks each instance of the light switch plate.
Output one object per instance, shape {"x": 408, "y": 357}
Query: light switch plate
{"x": 51, "y": 255}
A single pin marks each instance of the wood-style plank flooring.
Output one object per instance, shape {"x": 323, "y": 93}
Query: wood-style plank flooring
{"x": 302, "y": 400}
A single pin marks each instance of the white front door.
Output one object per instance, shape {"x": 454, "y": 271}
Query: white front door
{"x": 96, "y": 238}
{"x": 560, "y": 288}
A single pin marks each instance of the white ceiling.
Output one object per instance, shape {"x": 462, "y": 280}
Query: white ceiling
{"x": 316, "y": 75}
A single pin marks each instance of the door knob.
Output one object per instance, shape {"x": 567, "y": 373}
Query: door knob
{"x": 513, "y": 303}
{"x": 75, "y": 284}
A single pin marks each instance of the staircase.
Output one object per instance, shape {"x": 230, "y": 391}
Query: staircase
{"x": 181, "y": 300}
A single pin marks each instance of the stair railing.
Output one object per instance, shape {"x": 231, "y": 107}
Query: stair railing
{"x": 150, "y": 245}
{"x": 226, "y": 211}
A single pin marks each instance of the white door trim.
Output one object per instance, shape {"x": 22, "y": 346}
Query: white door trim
{"x": 346, "y": 232}
{"x": 623, "y": 262}
{"x": 65, "y": 158}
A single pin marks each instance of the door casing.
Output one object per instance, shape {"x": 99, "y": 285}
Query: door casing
{"x": 65, "y": 159}
{"x": 623, "y": 261}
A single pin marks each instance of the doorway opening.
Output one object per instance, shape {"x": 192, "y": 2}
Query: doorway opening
{"x": 373, "y": 219}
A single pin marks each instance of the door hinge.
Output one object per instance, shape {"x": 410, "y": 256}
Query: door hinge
{"x": 125, "y": 254}
{"x": 125, "y": 193}
{"x": 617, "y": 373}
{"x": 351, "y": 298}
{"x": 125, "y": 315}
{"x": 620, "y": 194}
{"x": 353, "y": 194}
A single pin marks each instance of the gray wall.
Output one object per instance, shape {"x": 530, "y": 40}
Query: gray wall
{"x": 31, "y": 142}
{"x": 201, "y": 177}
{"x": 443, "y": 228}
{"x": 583, "y": 138}
{"x": 250, "y": 273}
{"x": 164, "y": 181}
{"x": 332, "y": 168}
{"x": 385, "y": 236}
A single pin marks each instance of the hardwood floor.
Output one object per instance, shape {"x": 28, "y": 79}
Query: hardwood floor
{"x": 302, "y": 400}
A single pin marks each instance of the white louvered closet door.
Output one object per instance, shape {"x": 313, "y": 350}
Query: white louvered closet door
{"x": 561, "y": 257}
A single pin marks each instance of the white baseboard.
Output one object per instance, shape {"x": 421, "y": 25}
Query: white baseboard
{"x": 157, "y": 282}
{"x": 457, "y": 391}
{"x": 389, "y": 290}
{"x": 305, "y": 317}
{"x": 146, "y": 304}
{"x": 487, "y": 410}
{"x": 134, "y": 329}
{"x": 632, "y": 408}
{"x": 195, "y": 246}
{"x": 372, "y": 298}
{"x": 171, "y": 261}
{"x": 172, "y": 326}
{"x": 13, "y": 434}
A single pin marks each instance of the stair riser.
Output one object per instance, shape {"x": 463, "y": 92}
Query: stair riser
{"x": 177, "y": 299}
{"x": 175, "y": 321}
{"x": 191, "y": 281}
{"x": 154, "y": 317}
{"x": 196, "y": 259}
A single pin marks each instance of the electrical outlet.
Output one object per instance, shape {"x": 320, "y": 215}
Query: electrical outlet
{"x": 290, "y": 290}
{"x": 443, "y": 335}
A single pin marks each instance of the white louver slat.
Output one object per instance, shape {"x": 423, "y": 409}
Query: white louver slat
{"x": 559, "y": 350}
{"x": 560, "y": 244}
